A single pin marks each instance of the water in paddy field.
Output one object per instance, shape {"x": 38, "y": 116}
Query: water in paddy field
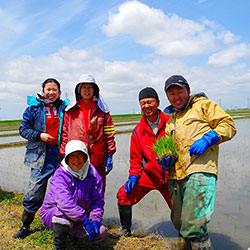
{"x": 230, "y": 225}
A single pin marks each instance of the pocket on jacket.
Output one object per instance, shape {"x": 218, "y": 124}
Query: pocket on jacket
{"x": 32, "y": 152}
{"x": 96, "y": 129}
{"x": 100, "y": 121}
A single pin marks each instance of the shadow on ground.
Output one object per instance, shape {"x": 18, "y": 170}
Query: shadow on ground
{"x": 4, "y": 195}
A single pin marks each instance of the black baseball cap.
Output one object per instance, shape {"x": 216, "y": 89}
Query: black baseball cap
{"x": 176, "y": 80}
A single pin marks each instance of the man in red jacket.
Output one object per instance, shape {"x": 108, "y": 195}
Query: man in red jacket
{"x": 145, "y": 174}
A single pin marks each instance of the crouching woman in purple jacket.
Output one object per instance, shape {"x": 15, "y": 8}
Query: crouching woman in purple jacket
{"x": 75, "y": 201}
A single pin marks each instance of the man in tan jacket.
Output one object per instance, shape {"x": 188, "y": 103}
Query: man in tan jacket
{"x": 198, "y": 126}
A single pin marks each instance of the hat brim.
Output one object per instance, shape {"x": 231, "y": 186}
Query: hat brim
{"x": 176, "y": 84}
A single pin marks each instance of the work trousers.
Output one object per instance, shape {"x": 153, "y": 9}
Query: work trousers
{"x": 33, "y": 199}
{"x": 139, "y": 192}
{"x": 192, "y": 203}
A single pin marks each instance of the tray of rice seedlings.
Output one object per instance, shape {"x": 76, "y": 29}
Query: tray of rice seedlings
{"x": 165, "y": 146}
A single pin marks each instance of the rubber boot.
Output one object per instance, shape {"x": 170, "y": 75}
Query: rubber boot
{"x": 183, "y": 243}
{"x": 27, "y": 219}
{"x": 202, "y": 243}
{"x": 125, "y": 213}
{"x": 60, "y": 236}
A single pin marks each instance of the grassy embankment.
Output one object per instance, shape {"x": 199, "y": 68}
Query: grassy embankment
{"x": 119, "y": 120}
{"x": 130, "y": 119}
{"x": 13, "y": 125}
{"x": 238, "y": 111}
{"x": 42, "y": 238}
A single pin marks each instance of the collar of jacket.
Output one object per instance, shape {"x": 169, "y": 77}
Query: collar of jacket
{"x": 171, "y": 109}
{"x": 73, "y": 103}
{"x": 33, "y": 101}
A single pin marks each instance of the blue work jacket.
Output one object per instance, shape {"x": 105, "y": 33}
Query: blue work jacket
{"x": 32, "y": 125}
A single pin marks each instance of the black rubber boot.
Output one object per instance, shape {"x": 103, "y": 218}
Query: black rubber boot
{"x": 60, "y": 236}
{"x": 125, "y": 213}
{"x": 202, "y": 243}
{"x": 24, "y": 231}
{"x": 183, "y": 243}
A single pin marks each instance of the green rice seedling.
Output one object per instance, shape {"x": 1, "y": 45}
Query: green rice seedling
{"x": 165, "y": 146}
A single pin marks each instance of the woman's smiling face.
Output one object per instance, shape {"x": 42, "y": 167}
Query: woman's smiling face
{"x": 76, "y": 160}
{"x": 51, "y": 91}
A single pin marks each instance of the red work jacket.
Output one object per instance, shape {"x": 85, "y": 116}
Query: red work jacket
{"x": 142, "y": 157}
{"x": 99, "y": 137}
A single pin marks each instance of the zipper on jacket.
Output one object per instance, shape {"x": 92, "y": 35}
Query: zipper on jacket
{"x": 163, "y": 172}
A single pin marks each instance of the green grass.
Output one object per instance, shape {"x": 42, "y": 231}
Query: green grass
{"x": 116, "y": 118}
{"x": 164, "y": 146}
{"x": 238, "y": 111}
{"x": 126, "y": 116}
{"x": 10, "y": 123}
{"x": 8, "y": 128}
{"x": 10, "y": 198}
{"x": 42, "y": 238}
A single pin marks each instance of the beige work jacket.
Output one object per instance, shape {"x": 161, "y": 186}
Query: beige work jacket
{"x": 200, "y": 116}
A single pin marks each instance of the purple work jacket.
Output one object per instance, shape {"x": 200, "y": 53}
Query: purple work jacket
{"x": 73, "y": 199}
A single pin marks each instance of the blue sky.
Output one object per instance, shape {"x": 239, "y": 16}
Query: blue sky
{"x": 126, "y": 45}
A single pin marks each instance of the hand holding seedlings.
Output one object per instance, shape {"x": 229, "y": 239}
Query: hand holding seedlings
{"x": 166, "y": 152}
{"x": 167, "y": 162}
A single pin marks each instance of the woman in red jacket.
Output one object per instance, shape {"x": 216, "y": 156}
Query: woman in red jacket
{"x": 89, "y": 120}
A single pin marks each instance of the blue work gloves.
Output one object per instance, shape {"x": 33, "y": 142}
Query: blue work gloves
{"x": 92, "y": 228}
{"x": 97, "y": 228}
{"x": 199, "y": 146}
{"x": 167, "y": 162}
{"x": 130, "y": 184}
{"x": 109, "y": 164}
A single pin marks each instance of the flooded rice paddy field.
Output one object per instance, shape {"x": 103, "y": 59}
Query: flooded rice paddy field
{"x": 230, "y": 225}
{"x": 10, "y": 139}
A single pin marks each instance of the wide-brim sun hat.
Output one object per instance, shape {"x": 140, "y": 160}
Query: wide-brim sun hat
{"x": 86, "y": 79}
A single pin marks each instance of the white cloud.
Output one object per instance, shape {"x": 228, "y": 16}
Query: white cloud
{"x": 169, "y": 35}
{"x": 119, "y": 81}
{"x": 230, "y": 55}
{"x": 228, "y": 37}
